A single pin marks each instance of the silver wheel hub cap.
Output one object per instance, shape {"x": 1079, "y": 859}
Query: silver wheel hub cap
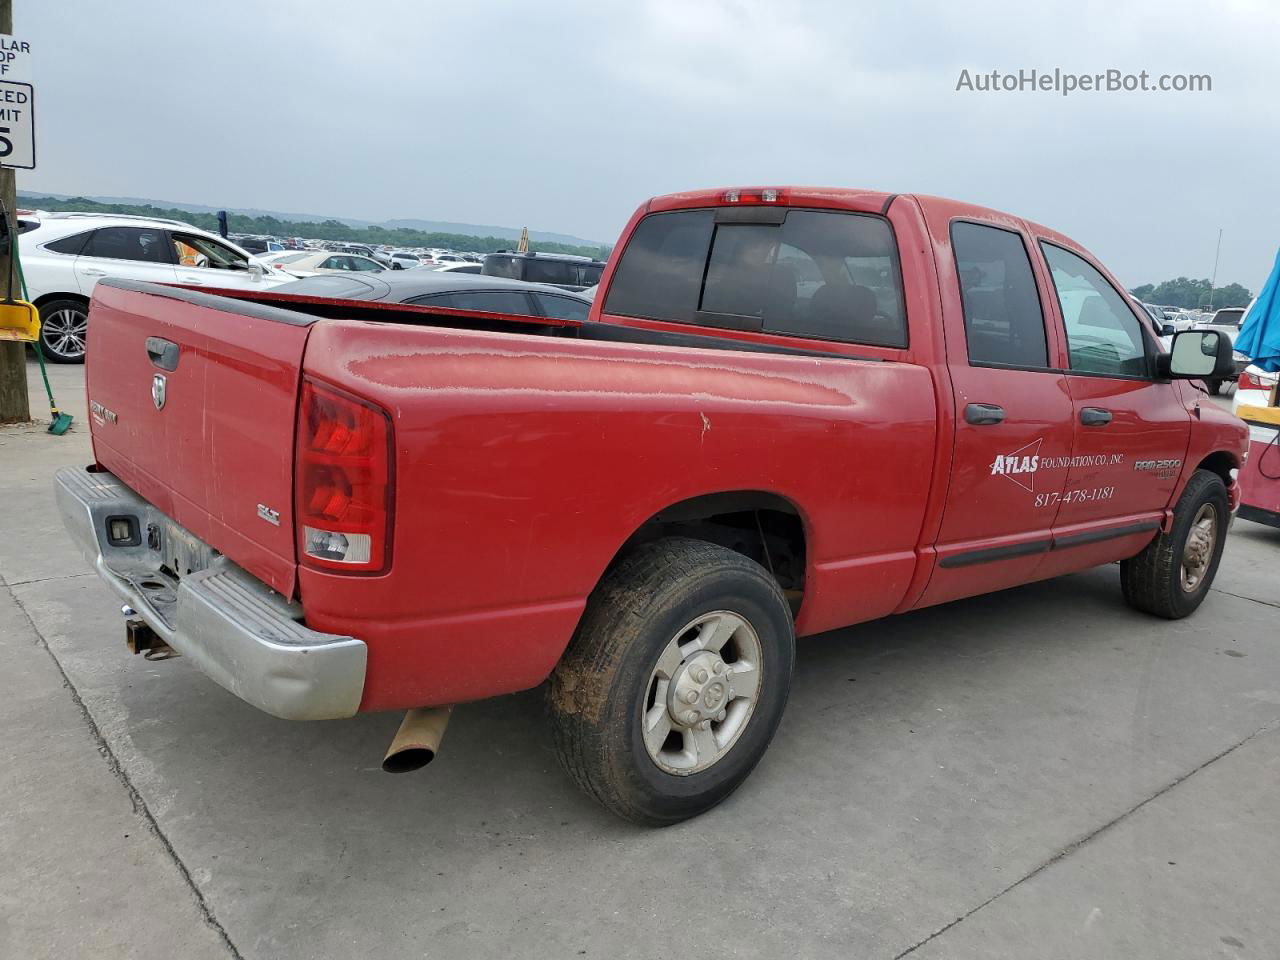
{"x": 1198, "y": 551}
{"x": 64, "y": 332}
{"x": 702, "y": 693}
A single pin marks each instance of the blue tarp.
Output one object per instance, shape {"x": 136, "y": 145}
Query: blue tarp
{"x": 1259, "y": 337}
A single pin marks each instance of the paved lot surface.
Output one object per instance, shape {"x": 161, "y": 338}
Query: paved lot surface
{"x": 1039, "y": 773}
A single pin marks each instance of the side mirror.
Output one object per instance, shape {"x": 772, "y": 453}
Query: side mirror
{"x": 1167, "y": 329}
{"x": 1197, "y": 355}
{"x": 256, "y": 271}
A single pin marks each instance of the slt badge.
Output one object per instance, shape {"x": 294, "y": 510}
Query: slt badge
{"x": 158, "y": 390}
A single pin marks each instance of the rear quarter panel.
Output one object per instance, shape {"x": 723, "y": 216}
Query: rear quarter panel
{"x": 523, "y": 465}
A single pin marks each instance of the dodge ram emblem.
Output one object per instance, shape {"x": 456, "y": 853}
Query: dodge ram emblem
{"x": 157, "y": 390}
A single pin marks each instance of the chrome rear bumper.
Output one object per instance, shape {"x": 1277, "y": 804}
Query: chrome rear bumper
{"x": 235, "y": 628}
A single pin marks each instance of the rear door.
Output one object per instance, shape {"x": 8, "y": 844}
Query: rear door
{"x": 135, "y": 253}
{"x": 1131, "y": 431}
{"x": 1012, "y": 412}
{"x": 193, "y": 400}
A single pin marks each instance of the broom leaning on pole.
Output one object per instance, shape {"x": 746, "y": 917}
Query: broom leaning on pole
{"x": 20, "y": 320}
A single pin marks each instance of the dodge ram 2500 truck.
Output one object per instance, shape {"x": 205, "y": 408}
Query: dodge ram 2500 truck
{"x": 789, "y": 410}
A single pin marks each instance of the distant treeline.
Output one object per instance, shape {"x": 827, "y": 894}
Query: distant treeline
{"x": 319, "y": 230}
{"x": 1192, "y": 294}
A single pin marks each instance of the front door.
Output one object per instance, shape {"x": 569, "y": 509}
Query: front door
{"x": 1013, "y": 416}
{"x": 1131, "y": 431}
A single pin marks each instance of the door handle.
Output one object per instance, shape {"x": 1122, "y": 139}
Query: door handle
{"x": 163, "y": 353}
{"x": 983, "y": 414}
{"x": 95, "y": 273}
{"x": 194, "y": 281}
{"x": 1094, "y": 416}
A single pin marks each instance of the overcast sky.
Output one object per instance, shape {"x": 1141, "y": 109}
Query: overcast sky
{"x": 564, "y": 116}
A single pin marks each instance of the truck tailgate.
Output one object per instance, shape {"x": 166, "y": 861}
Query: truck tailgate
{"x": 192, "y": 402}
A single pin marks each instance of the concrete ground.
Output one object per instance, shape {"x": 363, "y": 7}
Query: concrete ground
{"x": 1038, "y": 773}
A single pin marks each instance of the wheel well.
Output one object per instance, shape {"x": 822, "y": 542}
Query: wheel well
{"x": 1221, "y": 463}
{"x": 49, "y": 297}
{"x": 763, "y": 526}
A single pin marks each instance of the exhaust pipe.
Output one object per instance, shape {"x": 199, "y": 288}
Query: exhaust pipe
{"x": 416, "y": 742}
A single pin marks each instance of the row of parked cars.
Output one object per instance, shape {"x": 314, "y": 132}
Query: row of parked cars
{"x": 65, "y": 254}
{"x": 1228, "y": 320}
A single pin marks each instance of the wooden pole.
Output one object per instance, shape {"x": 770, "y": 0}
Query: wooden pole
{"x": 14, "y": 406}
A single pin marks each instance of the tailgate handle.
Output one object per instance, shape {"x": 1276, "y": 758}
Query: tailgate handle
{"x": 163, "y": 353}
{"x": 983, "y": 414}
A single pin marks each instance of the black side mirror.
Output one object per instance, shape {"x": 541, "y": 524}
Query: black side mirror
{"x": 1167, "y": 329}
{"x": 1197, "y": 355}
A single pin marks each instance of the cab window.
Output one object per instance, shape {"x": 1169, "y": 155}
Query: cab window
{"x": 660, "y": 273}
{"x": 1003, "y": 322}
{"x": 817, "y": 274}
{"x": 1103, "y": 334}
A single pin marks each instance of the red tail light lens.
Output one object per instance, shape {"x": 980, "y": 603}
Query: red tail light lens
{"x": 1248, "y": 381}
{"x": 343, "y": 481}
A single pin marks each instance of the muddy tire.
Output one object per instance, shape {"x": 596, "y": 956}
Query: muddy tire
{"x": 1172, "y": 575}
{"x": 674, "y": 684}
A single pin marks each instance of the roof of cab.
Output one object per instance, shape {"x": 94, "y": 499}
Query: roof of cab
{"x": 849, "y": 198}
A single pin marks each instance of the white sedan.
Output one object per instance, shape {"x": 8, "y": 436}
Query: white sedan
{"x": 306, "y": 263}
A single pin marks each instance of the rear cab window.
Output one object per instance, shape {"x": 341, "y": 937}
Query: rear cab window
{"x": 1003, "y": 320}
{"x": 817, "y": 274}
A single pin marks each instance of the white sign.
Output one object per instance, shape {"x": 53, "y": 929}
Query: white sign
{"x": 17, "y": 126}
{"x": 15, "y": 59}
{"x": 17, "y": 104}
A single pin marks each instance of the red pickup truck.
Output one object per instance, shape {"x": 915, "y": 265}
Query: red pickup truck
{"x": 789, "y": 410}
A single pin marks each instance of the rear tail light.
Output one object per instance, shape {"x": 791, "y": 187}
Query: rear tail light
{"x": 1248, "y": 381}
{"x": 343, "y": 481}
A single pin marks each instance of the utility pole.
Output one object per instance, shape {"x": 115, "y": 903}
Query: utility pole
{"x": 14, "y": 405}
{"x": 1214, "y": 281}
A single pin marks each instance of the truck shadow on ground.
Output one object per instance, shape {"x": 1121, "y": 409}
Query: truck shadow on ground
{"x": 498, "y": 755}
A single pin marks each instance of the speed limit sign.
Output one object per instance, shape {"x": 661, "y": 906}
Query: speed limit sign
{"x": 17, "y": 125}
{"x": 17, "y": 103}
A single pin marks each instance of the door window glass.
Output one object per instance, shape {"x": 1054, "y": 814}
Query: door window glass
{"x": 193, "y": 251}
{"x": 563, "y": 308}
{"x": 129, "y": 243}
{"x": 1003, "y": 322}
{"x": 1103, "y": 334}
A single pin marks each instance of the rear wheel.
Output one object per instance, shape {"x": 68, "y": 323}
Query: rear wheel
{"x": 1172, "y": 575}
{"x": 675, "y": 682}
{"x": 64, "y": 326}
{"x": 1215, "y": 387}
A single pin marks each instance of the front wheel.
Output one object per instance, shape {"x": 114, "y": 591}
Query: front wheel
{"x": 64, "y": 328}
{"x": 1172, "y": 575}
{"x": 675, "y": 681}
